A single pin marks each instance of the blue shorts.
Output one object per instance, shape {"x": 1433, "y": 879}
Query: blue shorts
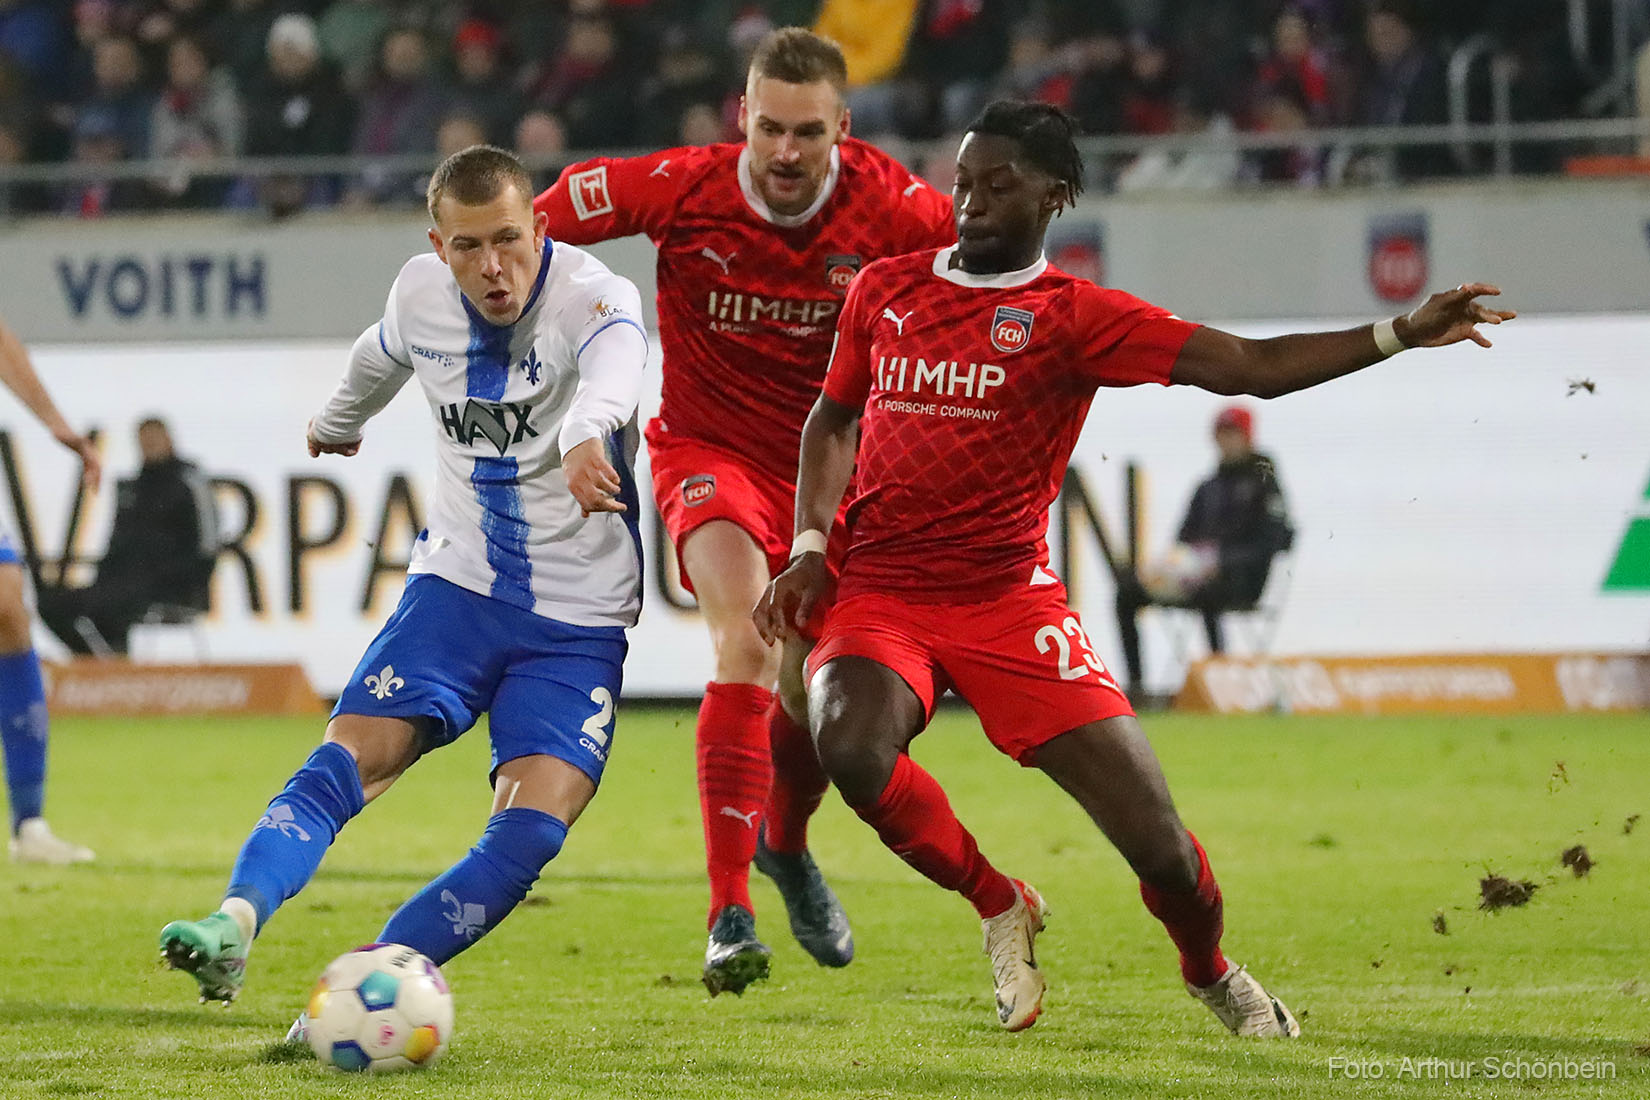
{"x": 452, "y": 655}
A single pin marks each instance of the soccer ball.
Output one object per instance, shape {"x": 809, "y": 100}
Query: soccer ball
{"x": 1181, "y": 571}
{"x": 380, "y": 1007}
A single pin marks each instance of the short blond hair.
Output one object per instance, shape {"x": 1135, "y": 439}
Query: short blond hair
{"x": 477, "y": 175}
{"x": 797, "y": 55}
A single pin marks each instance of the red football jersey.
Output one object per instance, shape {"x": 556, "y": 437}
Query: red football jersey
{"x": 974, "y": 390}
{"x": 748, "y": 299}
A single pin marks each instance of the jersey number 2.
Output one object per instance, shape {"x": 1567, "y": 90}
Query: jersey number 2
{"x": 1054, "y": 637}
{"x": 595, "y": 727}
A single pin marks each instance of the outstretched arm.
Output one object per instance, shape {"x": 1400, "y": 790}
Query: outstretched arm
{"x": 18, "y": 374}
{"x": 372, "y": 378}
{"x": 830, "y": 440}
{"x": 1223, "y": 363}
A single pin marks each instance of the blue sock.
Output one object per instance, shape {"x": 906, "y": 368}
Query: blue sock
{"x": 469, "y": 899}
{"x": 288, "y": 842}
{"x": 23, "y": 733}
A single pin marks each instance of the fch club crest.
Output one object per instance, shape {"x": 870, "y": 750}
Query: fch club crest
{"x": 1011, "y": 329}
{"x": 840, "y": 271}
{"x": 1398, "y": 264}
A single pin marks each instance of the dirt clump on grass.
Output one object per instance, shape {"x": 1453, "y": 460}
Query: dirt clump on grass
{"x": 1578, "y": 860}
{"x": 1496, "y": 892}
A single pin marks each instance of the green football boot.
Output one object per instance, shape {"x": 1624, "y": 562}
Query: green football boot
{"x": 212, "y": 950}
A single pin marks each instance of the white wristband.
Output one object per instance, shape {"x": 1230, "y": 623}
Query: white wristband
{"x": 808, "y": 542}
{"x": 1386, "y": 338}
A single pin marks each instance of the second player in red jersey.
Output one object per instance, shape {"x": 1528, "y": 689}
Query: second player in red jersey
{"x": 757, "y": 244}
{"x": 960, "y": 380}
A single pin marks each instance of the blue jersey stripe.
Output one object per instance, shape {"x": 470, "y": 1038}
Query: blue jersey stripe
{"x": 604, "y": 328}
{"x": 619, "y": 455}
{"x": 497, "y": 481}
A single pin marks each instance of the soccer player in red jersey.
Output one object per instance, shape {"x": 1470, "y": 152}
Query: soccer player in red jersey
{"x": 960, "y": 381}
{"x": 757, "y": 243}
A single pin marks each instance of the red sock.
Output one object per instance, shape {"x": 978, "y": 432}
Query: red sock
{"x": 1195, "y": 920}
{"x": 735, "y": 770}
{"x": 799, "y": 783}
{"x": 914, "y": 819}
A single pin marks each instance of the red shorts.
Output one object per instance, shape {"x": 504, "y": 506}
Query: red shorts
{"x": 695, "y": 483}
{"x": 1022, "y": 660}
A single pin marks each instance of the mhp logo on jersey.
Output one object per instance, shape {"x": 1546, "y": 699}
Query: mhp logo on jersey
{"x": 500, "y": 425}
{"x": 698, "y": 489}
{"x": 1398, "y": 256}
{"x": 840, "y": 271}
{"x": 1011, "y": 328}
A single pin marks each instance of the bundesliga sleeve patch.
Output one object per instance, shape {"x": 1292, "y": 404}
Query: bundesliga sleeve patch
{"x": 698, "y": 489}
{"x": 1011, "y": 329}
{"x": 588, "y": 190}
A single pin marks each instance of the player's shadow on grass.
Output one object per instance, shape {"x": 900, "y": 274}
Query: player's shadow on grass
{"x": 19, "y": 1013}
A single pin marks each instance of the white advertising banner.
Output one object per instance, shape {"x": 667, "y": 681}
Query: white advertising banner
{"x": 1448, "y": 501}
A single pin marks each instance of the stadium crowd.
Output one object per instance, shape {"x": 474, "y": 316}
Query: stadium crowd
{"x": 99, "y": 81}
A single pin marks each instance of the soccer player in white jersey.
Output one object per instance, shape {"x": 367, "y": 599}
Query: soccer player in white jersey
{"x": 23, "y": 725}
{"x": 530, "y": 354}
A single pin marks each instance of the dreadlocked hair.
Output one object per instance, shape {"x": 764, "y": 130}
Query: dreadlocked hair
{"x": 1046, "y": 134}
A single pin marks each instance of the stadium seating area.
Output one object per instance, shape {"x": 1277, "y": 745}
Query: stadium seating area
{"x": 97, "y": 81}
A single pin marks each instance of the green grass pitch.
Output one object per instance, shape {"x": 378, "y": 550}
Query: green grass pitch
{"x": 1337, "y": 843}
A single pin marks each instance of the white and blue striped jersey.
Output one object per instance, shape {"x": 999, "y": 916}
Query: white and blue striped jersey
{"x": 507, "y": 401}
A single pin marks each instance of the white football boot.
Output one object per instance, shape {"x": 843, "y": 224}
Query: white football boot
{"x": 1246, "y": 1009}
{"x": 36, "y": 843}
{"x": 1008, "y": 940}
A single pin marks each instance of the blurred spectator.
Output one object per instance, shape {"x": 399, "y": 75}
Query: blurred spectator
{"x": 1195, "y": 170}
{"x": 118, "y": 96}
{"x": 874, "y": 36}
{"x": 350, "y": 31}
{"x": 1101, "y": 83}
{"x": 155, "y": 23}
{"x": 1035, "y": 69}
{"x": 1283, "y": 109}
{"x": 240, "y": 34}
{"x": 701, "y": 124}
{"x": 458, "y": 132}
{"x": 196, "y": 117}
{"x": 1149, "y": 98}
{"x": 162, "y": 549}
{"x": 541, "y": 142}
{"x": 33, "y": 38}
{"x": 687, "y": 79}
{"x": 483, "y": 89}
{"x": 1403, "y": 84}
{"x": 399, "y": 115}
{"x": 296, "y": 107}
{"x": 587, "y": 88}
{"x": 15, "y": 198}
{"x": 956, "y": 51}
{"x": 1296, "y": 57}
{"x": 1641, "y": 72}
{"x": 99, "y": 141}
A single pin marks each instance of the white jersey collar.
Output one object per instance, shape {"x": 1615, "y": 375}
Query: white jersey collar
{"x": 999, "y": 281}
{"x": 788, "y": 221}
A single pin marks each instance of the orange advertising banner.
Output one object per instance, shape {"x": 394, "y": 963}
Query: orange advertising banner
{"x": 1525, "y": 683}
{"x": 90, "y": 687}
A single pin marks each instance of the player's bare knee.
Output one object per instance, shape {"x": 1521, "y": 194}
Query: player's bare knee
{"x": 742, "y": 657}
{"x": 1167, "y": 861}
{"x": 854, "y": 755}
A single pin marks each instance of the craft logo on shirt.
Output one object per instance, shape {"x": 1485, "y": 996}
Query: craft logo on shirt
{"x": 1011, "y": 329}
{"x": 588, "y": 190}
{"x": 1398, "y": 268}
{"x": 840, "y": 271}
{"x": 698, "y": 489}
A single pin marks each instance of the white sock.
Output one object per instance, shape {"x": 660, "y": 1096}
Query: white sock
{"x": 245, "y": 917}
